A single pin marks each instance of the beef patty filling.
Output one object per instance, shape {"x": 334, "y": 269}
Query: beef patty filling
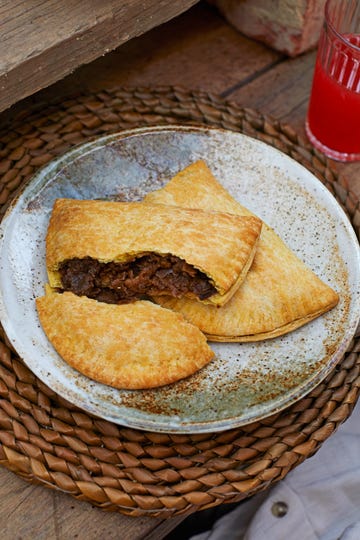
{"x": 117, "y": 283}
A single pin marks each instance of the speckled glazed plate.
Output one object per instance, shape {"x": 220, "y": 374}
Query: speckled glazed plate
{"x": 246, "y": 381}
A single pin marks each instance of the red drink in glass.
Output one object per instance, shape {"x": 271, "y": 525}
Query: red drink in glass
{"x": 333, "y": 122}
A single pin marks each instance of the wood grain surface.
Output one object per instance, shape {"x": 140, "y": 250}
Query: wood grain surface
{"x": 44, "y": 40}
{"x": 198, "y": 49}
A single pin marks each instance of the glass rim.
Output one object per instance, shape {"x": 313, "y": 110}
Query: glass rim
{"x": 330, "y": 24}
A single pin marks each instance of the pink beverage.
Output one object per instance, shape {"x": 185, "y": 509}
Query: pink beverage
{"x": 333, "y": 121}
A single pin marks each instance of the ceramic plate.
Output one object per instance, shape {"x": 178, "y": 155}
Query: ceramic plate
{"x": 245, "y": 382}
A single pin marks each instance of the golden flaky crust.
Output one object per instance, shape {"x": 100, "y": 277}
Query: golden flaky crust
{"x": 220, "y": 245}
{"x": 279, "y": 293}
{"x": 130, "y": 346}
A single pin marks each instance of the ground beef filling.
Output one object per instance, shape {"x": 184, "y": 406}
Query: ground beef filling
{"x": 116, "y": 283}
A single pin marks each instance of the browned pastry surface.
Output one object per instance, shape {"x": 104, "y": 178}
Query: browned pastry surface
{"x": 280, "y": 293}
{"x": 133, "y": 346}
{"x": 220, "y": 245}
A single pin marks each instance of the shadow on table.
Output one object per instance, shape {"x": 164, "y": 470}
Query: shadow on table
{"x": 199, "y": 522}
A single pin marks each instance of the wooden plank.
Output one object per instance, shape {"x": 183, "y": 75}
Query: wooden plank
{"x": 283, "y": 91}
{"x": 196, "y": 50}
{"x": 44, "y": 40}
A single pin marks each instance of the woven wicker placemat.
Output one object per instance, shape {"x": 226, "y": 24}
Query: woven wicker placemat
{"x": 47, "y": 440}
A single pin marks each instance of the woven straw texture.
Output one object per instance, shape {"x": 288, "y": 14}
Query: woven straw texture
{"x": 46, "y": 440}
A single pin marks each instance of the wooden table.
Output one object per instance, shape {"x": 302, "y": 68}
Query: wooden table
{"x": 44, "y": 40}
{"x": 197, "y": 50}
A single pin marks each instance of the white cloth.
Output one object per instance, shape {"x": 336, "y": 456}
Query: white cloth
{"x": 321, "y": 496}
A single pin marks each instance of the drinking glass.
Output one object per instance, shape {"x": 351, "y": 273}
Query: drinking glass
{"x": 333, "y": 119}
